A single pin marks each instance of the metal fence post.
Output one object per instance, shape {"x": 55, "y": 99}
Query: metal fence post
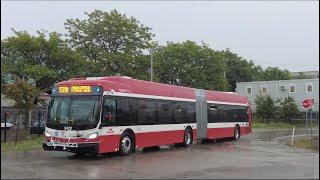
{"x": 5, "y": 126}
{"x": 39, "y": 116}
{"x": 16, "y": 139}
{"x": 294, "y": 127}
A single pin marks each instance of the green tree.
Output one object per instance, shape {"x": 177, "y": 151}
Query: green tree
{"x": 23, "y": 94}
{"x": 277, "y": 104}
{"x": 239, "y": 69}
{"x": 112, "y": 41}
{"x": 257, "y": 73}
{"x": 265, "y": 107}
{"x": 189, "y": 64}
{"x": 274, "y": 73}
{"x": 42, "y": 59}
{"x": 289, "y": 109}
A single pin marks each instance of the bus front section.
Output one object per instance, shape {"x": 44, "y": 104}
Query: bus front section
{"x": 73, "y": 119}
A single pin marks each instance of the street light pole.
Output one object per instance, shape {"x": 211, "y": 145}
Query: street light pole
{"x": 151, "y": 68}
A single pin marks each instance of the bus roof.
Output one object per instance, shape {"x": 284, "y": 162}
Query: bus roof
{"x": 124, "y": 84}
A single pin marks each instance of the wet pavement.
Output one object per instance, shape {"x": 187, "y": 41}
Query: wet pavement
{"x": 258, "y": 155}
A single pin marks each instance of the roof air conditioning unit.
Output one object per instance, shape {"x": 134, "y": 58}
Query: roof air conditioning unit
{"x": 283, "y": 87}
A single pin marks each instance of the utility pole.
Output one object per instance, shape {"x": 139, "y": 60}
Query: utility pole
{"x": 151, "y": 64}
{"x": 224, "y": 64}
{"x": 152, "y": 50}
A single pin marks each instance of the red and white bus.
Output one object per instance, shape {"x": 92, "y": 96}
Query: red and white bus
{"x": 119, "y": 114}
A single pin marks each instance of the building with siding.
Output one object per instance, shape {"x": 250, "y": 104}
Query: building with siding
{"x": 299, "y": 89}
{"x": 306, "y": 74}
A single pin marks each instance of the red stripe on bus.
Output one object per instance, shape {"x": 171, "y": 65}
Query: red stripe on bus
{"x": 110, "y": 143}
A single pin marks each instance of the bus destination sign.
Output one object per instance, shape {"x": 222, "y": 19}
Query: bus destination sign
{"x": 77, "y": 90}
{"x": 80, "y": 89}
{"x": 63, "y": 89}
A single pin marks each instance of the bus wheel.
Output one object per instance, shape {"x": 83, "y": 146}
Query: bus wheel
{"x": 187, "y": 140}
{"x": 236, "y": 135}
{"x": 125, "y": 144}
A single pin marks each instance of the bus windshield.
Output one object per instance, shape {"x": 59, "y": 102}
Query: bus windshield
{"x": 74, "y": 109}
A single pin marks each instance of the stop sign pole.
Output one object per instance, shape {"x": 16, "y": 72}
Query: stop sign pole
{"x": 307, "y": 122}
{"x": 307, "y": 103}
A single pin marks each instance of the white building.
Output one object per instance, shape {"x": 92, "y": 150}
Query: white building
{"x": 299, "y": 89}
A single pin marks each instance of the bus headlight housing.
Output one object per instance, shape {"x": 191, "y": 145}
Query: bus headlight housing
{"x": 47, "y": 134}
{"x": 92, "y": 135}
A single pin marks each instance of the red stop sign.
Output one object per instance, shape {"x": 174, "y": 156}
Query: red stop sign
{"x": 307, "y": 103}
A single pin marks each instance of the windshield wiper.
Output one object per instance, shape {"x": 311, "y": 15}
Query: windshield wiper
{"x": 94, "y": 105}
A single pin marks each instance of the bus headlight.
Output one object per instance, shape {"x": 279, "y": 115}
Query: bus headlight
{"x": 47, "y": 134}
{"x": 92, "y": 135}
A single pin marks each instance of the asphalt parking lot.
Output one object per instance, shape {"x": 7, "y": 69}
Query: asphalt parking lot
{"x": 258, "y": 155}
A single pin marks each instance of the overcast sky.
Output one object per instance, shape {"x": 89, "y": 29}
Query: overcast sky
{"x": 283, "y": 34}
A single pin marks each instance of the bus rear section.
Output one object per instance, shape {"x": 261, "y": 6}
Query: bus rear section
{"x": 227, "y": 120}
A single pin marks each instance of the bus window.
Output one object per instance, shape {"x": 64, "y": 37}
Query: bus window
{"x": 180, "y": 112}
{"x": 109, "y": 111}
{"x": 191, "y": 113}
{"x": 59, "y": 110}
{"x": 122, "y": 112}
{"x": 84, "y": 109}
{"x": 164, "y": 112}
{"x": 223, "y": 114}
{"x": 243, "y": 113}
{"x": 213, "y": 115}
{"x": 133, "y": 110}
{"x": 147, "y": 114}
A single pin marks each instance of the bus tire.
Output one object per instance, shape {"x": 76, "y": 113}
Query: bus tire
{"x": 126, "y": 144}
{"x": 187, "y": 138}
{"x": 236, "y": 134}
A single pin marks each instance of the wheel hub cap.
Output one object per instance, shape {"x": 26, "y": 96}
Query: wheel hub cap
{"x": 126, "y": 144}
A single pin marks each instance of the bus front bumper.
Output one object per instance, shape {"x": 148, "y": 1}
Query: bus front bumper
{"x": 72, "y": 147}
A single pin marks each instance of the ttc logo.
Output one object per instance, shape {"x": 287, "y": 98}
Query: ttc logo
{"x": 110, "y": 130}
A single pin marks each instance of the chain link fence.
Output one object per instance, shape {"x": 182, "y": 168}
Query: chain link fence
{"x": 25, "y": 129}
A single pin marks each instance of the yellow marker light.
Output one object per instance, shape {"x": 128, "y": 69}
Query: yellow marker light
{"x": 63, "y": 89}
{"x": 81, "y": 89}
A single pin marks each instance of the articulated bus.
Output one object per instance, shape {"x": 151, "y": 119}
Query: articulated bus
{"x": 120, "y": 114}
